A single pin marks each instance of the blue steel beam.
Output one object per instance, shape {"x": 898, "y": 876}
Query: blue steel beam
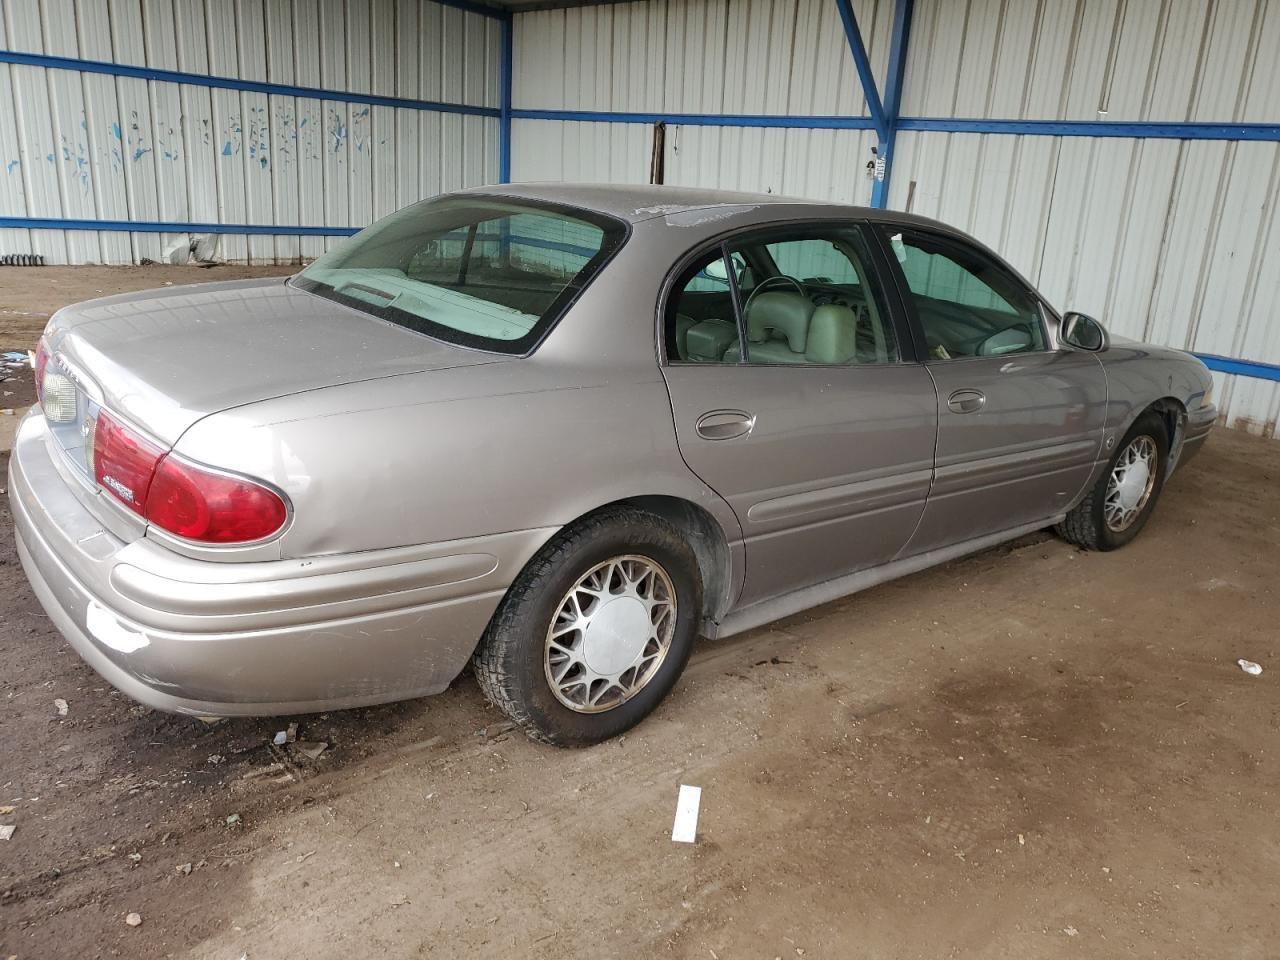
{"x": 255, "y": 229}
{"x": 1144, "y": 129}
{"x": 1241, "y": 368}
{"x": 865, "y": 74}
{"x": 1138, "y": 129}
{"x": 892, "y": 100}
{"x": 504, "y": 101}
{"x": 234, "y": 83}
{"x": 701, "y": 119}
{"x": 173, "y": 226}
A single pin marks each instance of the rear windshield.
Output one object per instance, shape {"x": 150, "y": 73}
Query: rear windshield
{"x": 479, "y": 271}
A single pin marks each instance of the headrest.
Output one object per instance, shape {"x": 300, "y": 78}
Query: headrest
{"x": 782, "y": 313}
{"x": 832, "y": 335}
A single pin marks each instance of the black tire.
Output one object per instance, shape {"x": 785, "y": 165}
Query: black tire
{"x": 509, "y": 662}
{"x": 1086, "y": 524}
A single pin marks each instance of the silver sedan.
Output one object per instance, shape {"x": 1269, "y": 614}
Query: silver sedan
{"x": 561, "y": 431}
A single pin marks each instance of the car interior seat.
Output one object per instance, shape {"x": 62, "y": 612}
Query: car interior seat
{"x": 707, "y": 341}
{"x": 833, "y": 336}
{"x": 778, "y": 327}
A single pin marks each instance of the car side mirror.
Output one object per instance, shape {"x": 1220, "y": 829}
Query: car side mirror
{"x": 1081, "y": 331}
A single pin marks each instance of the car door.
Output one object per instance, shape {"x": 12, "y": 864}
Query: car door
{"x": 1020, "y": 422}
{"x": 819, "y": 433}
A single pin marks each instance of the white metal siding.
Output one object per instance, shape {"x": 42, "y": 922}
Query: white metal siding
{"x": 580, "y": 152}
{"x": 1210, "y": 61}
{"x": 1171, "y": 241}
{"x": 775, "y": 57}
{"x": 91, "y": 146}
{"x": 820, "y": 164}
{"x": 697, "y": 56}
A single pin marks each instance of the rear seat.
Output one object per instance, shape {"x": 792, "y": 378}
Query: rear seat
{"x": 778, "y": 327}
{"x": 707, "y": 341}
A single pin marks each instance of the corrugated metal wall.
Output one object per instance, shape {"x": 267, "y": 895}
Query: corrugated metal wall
{"x": 87, "y": 146}
{"x": 697, "y": 56}
{"x": 1171, "y": 241}
{"x": 779, "y": 57}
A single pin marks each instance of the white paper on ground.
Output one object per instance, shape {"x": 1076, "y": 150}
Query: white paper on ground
{"x": 685, "y": 828}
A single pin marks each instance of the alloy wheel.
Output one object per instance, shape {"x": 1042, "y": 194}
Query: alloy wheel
{"x": 610, "y": 634}
{"x": 1132, "y": 479}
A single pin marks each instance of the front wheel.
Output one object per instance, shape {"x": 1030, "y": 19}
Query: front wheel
{"x": 1122, "y": 500}
{"x": 595, "y": 631}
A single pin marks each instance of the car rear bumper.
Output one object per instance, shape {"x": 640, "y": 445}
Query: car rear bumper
{"x": 252, "y": 639}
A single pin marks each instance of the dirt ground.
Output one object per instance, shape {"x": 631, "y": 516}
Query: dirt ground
{"x": 1034, "y": 752}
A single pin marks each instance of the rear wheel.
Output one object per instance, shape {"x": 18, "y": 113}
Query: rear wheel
{"x": 1122, "y": 500}
{"x": 595, "y": 631}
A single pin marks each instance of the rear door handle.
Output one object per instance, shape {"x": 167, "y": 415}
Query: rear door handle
{"x": 966, "y": 401}
{"x": 724, "y": 424}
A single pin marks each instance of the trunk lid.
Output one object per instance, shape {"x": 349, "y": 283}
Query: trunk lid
{"x": 167, "y": 358}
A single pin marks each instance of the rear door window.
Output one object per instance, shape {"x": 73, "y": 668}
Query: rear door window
{"x": 814, "y": 261}
{"x": 804, "y": 295}
{"x": 701, "y": 324}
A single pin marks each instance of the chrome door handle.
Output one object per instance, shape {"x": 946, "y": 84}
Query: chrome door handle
{"x": 724, "y": 424}
{"x": 966, "y": 401}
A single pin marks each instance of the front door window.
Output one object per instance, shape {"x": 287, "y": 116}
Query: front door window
{"x": 967, "y": 304}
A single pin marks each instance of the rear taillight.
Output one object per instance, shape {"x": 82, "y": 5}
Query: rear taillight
{"x": 56, "y": 391}
{"x": 123, "y": 462}
{"x": 212, "y": 507}
{"x": 41, "y": 361}
{"x": 177, "y": 496}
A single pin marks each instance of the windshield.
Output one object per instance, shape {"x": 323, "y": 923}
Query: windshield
{"x": 480, "y": 271}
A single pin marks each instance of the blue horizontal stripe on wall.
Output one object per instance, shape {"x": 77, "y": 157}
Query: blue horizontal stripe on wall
{"x": 1041, "y": 128}
{"x": 558, "y": 245}
{"x": 1096, "y": 128}
{"x": 701, "y": 119}
{"x": 253, "y": 229}
{"x": 168, "y": 226}
{"x": 1241, "y": 368}
{"x": 232, "y": 83}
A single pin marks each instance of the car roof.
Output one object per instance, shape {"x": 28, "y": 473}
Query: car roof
{"x": 637, "y": 202}
{"x": 642, "y": 201}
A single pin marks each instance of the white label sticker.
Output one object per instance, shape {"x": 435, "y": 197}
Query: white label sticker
{"x": 685, "y": 828}
{"x": 899, "y": 248}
